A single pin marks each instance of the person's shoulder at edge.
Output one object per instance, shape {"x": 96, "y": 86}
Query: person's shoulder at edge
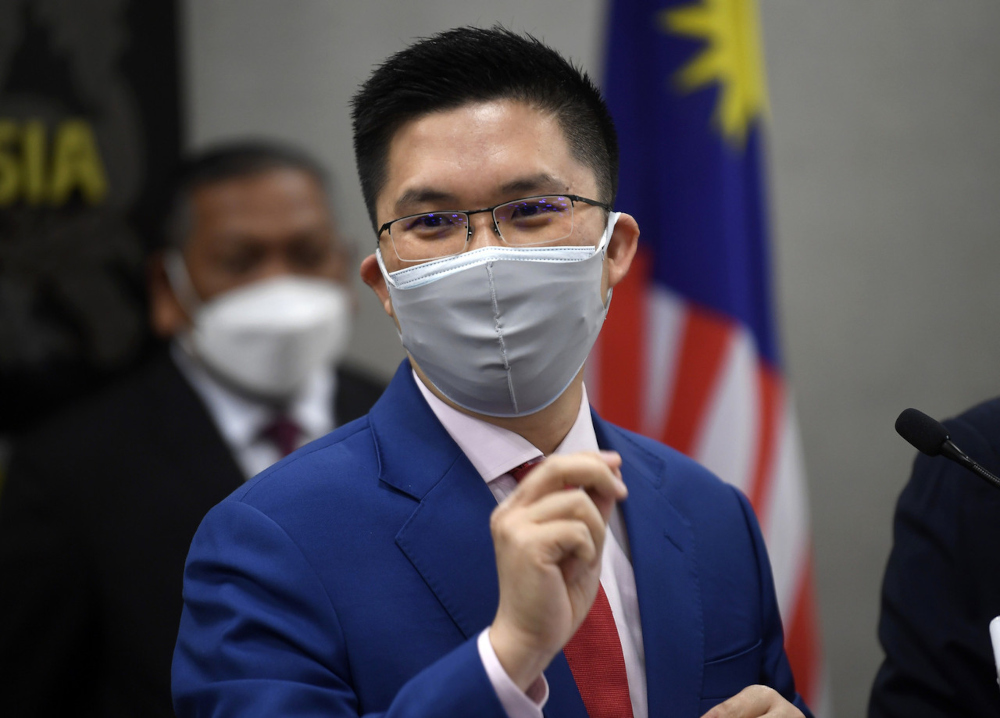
{"x": 104, "y": 410}
{"x": 979, "y": 420}
{"x": 976, "y": 431}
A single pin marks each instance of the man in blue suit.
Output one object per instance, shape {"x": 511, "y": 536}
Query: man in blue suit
{"x": 418, "y": 561}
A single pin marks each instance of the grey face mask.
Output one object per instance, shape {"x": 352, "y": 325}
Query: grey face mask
{"x": 502, "y": 331}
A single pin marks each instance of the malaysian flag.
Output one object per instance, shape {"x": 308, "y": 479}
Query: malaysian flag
{"x": 691, "y": 357}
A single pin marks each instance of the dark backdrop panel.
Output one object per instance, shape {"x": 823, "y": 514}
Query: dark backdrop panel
{"x": 89, "y": 128}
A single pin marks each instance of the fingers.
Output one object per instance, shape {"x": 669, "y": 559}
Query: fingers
{"x": 548, "y": 544}
{"x": 566, "y": 505}
{"x": 559, "y": 539}
{"x": 755, "y": 702}
{"x": 541, "y": 496}
{"x": 557, "y": 525}
{"x": 597, "y": 473}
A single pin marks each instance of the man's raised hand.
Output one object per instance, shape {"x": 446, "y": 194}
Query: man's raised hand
{"x": 548, "y": 544}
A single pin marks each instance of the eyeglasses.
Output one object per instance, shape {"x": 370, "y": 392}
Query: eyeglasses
{"x": 521, "y": 223}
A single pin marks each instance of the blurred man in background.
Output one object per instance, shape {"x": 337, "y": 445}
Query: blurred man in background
{"x": 252, "y": 295}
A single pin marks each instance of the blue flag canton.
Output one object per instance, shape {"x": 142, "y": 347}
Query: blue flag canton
{"x": 685, "y": 85}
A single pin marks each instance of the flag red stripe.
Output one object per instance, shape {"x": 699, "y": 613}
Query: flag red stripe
{"x": 623, "y": 348}
{"x": 704, "y": 343}
{"x": 770, "y": 392}
{"x": 802, "y": 636}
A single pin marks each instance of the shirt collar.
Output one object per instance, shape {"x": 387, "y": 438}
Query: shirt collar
{"x": 494, "y": 451}
{"x": 240, "y": 418}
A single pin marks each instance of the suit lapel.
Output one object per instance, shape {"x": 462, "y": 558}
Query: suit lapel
{"x": 662, "y": 548}
{"x": 188, "y": 436}
{"x": 447, "y": 537}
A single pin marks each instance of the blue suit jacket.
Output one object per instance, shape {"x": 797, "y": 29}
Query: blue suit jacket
{"x": 354, "y": 576}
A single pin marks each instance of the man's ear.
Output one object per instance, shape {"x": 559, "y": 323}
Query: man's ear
{"x": 372, "y": 276}
{"x": 166, "y": 315}
{"x": 621, "y": 248}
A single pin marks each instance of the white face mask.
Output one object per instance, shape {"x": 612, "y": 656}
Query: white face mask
{"x": 267, "y": 338}
{"x": 502, "y": 331}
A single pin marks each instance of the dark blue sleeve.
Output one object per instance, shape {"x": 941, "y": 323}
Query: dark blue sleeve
{"x": 259, "y": 636}
{"x": 942, "y": 585}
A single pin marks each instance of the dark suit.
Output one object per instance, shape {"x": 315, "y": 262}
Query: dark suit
{"x": 942, "y": 584}
{"x": 354, "y": 576}
{"x": 96, "y": 518}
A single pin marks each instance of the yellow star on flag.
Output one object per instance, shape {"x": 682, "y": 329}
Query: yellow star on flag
{"x": 732, "y": 58}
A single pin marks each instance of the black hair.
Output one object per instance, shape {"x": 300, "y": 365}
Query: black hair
{"x": 223, "y": 162}
{"x": 468, "y": 64}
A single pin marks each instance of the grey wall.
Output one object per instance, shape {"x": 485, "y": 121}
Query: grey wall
{"x": 885, "y": 159}
{"x": 886, "y": 167}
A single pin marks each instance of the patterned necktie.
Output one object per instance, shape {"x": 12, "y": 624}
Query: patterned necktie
{"x": 594, "y": 653}
{"x": 284, "y": 433}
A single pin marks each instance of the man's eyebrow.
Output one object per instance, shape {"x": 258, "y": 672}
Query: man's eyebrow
{"x": 541, "y": 182}
{"x": 532, "y": 184}
{"x": 421, "y": 195}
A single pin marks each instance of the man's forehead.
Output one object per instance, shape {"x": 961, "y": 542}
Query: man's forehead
{"x": 502, "y": 147}
{"x": 271, "y": 193}
{"x": 424, "y": 124}
{"x": 261, "y": 203}
{"x": 274, "y": 183}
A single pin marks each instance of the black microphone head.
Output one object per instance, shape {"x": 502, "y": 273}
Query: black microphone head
{"x": 927, "y": 435}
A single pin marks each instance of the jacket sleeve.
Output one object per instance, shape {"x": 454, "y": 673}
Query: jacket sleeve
{"x": 259, "y": 636}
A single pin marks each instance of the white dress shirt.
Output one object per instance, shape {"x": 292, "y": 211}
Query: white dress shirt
{"x": 241, "y": 419}
{"x": 494, "y": 452}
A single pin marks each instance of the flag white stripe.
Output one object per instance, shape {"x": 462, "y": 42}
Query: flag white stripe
{"x": 727, "y": 442}
{"x": 786, "y": 517}
{"x": 665, "y": 313}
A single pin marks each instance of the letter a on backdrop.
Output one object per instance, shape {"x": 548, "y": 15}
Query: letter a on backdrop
{"x": 690, "y": 354}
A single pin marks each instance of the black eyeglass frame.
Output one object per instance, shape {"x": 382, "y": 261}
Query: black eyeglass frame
{"x": 573, "y": 199}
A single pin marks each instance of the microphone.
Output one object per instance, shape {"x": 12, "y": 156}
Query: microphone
{"x": 929, "y": 436}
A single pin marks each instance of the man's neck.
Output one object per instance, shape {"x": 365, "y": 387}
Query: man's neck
{"x": 545, "y": 429}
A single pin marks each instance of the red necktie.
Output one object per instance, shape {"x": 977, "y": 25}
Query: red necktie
{"x": 594, "y": 653}
{"x": 284, "y": 433}
{"x": 521, "y": 470}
